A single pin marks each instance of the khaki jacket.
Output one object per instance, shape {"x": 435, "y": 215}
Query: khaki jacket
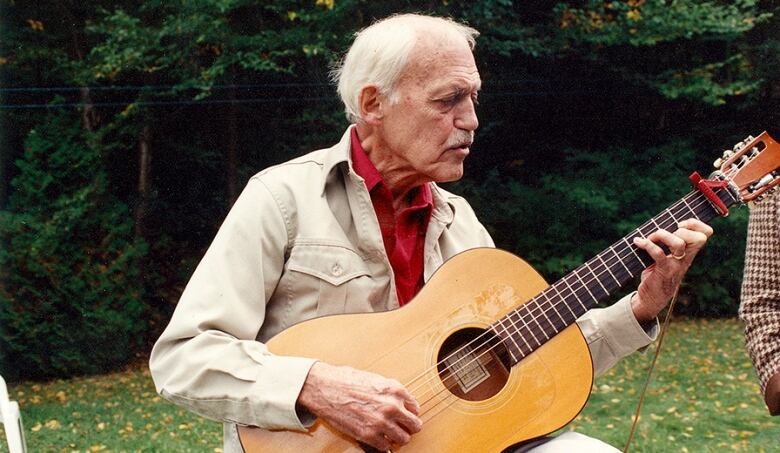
{"x": 303, "y": 241}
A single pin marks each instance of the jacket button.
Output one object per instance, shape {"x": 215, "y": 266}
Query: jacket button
{"x": 336, "y": 270}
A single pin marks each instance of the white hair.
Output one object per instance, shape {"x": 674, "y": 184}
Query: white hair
{"x": 381, "y": 52}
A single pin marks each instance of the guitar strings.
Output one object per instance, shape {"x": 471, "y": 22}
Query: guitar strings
{"x": 619, "y": 255}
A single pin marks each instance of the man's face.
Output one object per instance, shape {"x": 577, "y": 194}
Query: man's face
{"x": 431, "y": 127}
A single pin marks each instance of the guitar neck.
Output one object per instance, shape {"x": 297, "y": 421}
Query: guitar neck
{"x": 532, "y": 324}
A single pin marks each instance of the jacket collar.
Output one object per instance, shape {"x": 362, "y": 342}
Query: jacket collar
{"x": 336, "y": 155}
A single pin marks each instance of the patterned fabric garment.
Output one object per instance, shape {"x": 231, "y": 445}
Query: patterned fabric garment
{"x": 760, "y": 305}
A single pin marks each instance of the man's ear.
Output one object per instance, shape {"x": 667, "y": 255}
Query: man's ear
{"x": 370, "y": 103}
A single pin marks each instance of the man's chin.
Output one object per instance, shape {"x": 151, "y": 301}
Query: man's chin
{"x": 453, "y": 174}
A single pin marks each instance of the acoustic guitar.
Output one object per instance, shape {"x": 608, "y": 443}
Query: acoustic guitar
{"x": 491, "y": 352}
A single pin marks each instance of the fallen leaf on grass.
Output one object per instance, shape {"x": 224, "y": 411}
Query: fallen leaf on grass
{"x": 53, "y": 424}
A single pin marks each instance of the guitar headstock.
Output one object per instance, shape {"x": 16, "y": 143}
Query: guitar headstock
{"x": 752, "y": 167}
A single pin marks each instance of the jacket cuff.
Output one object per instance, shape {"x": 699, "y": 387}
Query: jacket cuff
{"x": 282, "y": 381}
{"x": 623, "y": 332}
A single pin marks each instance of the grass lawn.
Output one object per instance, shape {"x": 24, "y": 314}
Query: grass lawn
{"x": 704, "y": 397}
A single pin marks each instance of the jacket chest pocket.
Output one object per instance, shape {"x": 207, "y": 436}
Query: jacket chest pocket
{"x": 327, "y": 279}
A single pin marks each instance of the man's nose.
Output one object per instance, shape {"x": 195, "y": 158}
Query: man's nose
{"x": 466, "y": 118}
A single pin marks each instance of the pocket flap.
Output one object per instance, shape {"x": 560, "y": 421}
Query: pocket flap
{"x": 333, "y": 264}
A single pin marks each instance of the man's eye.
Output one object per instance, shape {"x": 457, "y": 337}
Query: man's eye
{"x": 452, "y": 100}
{"x": 475, "y": 99}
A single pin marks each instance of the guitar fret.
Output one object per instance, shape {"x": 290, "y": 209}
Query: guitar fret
{"x": 647, "y": 230}
{"x": 657, "y": 227}
{"x": 527, "y": 328}
{"x": 671, "y": 214}
{"x": 554, "y": 308}
{"x": 537, "y": 323}
{"x": 608, "y": 269}
{"x": 549, "y": 322}
{"x": 575, "y": 294}
{"x": 631, "y": 247}
{"x": 689, "y": 207}
{"x": 563, "y": 299}
{"x": 501, "y": 322}
{"x": 621, "y": 262}
{"x": 584, "y": 285}
{"x": 519, "y": 333}
{"x": 596, "y": 276}
{"x": 677, "y": 215}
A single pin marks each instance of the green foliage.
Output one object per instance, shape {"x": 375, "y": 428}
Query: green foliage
{"x": 650, "y": 22}
{"x": 200, "y": 44}
{"x": 684, "y": 49}
{"x": 70, "y": 300}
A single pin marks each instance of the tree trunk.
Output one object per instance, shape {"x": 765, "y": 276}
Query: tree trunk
{"x": 89, "y": 116}
{"x": 232, "y": 148}
{"x": 144, "y": 184}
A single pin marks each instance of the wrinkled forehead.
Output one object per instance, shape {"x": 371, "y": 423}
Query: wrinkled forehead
{"x": 435, "y": 61}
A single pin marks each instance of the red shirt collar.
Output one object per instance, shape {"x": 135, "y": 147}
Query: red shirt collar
{"x": 362, "y": 164}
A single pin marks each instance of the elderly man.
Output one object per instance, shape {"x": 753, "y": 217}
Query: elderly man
{"x": 760, "y": 305}
{"x": 360, "y": 227}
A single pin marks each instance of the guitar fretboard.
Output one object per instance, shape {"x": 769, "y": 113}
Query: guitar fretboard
{"x": 532, "y": 324}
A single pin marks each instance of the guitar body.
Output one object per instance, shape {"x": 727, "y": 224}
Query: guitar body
{"x": 484, "y": 408}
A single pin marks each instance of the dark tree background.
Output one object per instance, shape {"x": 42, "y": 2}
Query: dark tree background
{"x": 129, "y": 127}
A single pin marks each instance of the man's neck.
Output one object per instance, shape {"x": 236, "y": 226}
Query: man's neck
{"x": 399, "y": 178}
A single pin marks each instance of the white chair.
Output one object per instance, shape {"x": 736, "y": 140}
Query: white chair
{"x": 12, "y": 421}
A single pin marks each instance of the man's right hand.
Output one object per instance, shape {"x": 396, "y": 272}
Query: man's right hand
{"x": 362, "y": 405}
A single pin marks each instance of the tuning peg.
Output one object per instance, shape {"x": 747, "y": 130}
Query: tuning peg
{"x": 718, "y": 163}
{"x": 738, "y": 147}
{"x": 762, "y": 182}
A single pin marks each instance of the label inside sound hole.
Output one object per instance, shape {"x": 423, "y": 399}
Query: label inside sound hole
{"x": 467, "y": 368}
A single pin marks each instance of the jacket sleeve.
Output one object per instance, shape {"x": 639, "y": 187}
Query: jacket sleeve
{"x": 207, "y": 359}
{"x": 613, "y": 333}
{"x": 760, "y": 305}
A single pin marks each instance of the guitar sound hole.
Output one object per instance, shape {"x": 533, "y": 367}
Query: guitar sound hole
{"x": 473, "y": 364}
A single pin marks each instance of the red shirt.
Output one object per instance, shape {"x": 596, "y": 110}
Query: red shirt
{"x": 402, "y": 232}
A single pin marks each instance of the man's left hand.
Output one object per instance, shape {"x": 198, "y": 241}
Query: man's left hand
{"x": 660, "y": 281}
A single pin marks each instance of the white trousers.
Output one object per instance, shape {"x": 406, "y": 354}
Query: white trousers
{"x": 572, "y": 442}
